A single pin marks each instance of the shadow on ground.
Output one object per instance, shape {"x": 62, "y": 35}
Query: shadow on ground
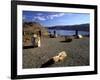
{"x": 28, "y": 47}
{"x": 48, "y": 63}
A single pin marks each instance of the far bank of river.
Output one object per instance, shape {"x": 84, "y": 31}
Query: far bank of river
{"x": 68, "y": 32}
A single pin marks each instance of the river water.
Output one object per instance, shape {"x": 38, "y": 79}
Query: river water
{"x": 68, "y": 32}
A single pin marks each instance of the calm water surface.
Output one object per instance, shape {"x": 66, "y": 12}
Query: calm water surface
{"x": 68, "y": 32}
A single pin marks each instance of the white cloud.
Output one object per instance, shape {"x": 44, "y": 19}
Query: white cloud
{"x": 39, "y": 18}
{"x": 39, "y": 14}
{"x": 61, "y": 14}
{"x": 55, "y": 15}
{"x": 42, "y": 17}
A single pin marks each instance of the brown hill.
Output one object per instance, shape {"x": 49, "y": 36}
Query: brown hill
{"x": 34, "y": 28}
{"x": 30, "y": 29}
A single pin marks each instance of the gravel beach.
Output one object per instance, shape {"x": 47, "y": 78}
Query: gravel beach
{"x": 77, "y": 51}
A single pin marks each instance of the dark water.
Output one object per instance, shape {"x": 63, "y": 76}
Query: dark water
{"x": 68, "y": 32}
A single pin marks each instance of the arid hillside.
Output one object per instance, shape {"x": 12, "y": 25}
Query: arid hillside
{"x": 30, "y": 29}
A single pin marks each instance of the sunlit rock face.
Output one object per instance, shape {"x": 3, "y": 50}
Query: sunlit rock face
{"x": 60, "y": 57}
{"x": 80, "y": 36}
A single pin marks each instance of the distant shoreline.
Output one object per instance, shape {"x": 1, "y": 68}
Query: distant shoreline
{"x": 68, "y": 32}
{"x": 81, "y": 27}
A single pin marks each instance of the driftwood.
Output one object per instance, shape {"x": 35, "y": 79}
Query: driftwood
{"x": 58, "y": 58}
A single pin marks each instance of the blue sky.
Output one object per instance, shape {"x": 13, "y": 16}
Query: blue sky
{"x": 56, "y": 18}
